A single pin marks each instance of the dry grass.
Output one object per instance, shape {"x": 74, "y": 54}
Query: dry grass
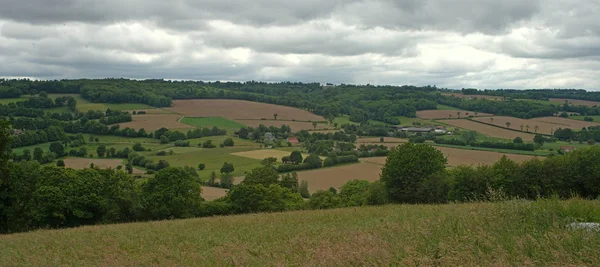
{"x": 489, "y": 130}
{"x": 514, "y": 233}
{"x": 212, "y": 193}
{"x": 82, "y": 163}
{"x": 447, "y": 114}
{"x": 296, "y": 126}
{"x": 151, "y": 122}
{"x": 575, "y": 102}
{"x": 239, "y": 109}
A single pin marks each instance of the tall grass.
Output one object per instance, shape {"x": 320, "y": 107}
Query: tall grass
{"x": 514, "y": 233}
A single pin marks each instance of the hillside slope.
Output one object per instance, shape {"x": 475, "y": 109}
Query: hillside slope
{"x": 510, "y": 233}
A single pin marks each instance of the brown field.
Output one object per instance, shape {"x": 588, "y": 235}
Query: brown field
{"x": 460, "y": 95}
{"x": 446, "y": 114}
{"x": 575, "y": 102}
{"x": 566, "y": 123}
{"x": 489, "y": 130}
{"x": 295, "y": 125}
{"x": 375, "y": 140}
{"x": 212, "y": 193}
{"x": 151, "y": 122}
{"x": 265, "y": 153}
{"x": 322, "y": 179}
{"x": 82, "y": 163}
{"x": 239, "y": 109}
{"x": 149, "y": 111}
{"x": 457, "y": 157}
{"x": 544, "y": 127}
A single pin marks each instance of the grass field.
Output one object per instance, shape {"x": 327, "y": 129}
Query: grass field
{"x": 209, "y": 122}
{"x": 444, "y": 107}
{"x": 84, "y": 105}
{"x": 509, "y": 233}
{"x": 581, "y": 118}
{"x": 341, "y": 120}
{"x": 561, "y": 101}
{"x": 5, "y": 101}
{"x": 489, "y": 130}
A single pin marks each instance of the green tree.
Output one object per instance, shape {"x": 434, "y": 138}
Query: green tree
{"x": 270, "y": 161}
{"x": 407, "y": 166}
{"x": 60, "y": 163}
{"x": 228, "y": 142}
{"x": 539, "y": 139}
{"x": 227, "y": 168}
{"x": 377, "y": 194}
{"x": 101, "y": 150}
{"x": 507, "y": 124}
{"x": 355, "y": 193}
{"x": 38, "y": 154}
{"x": 303, "y": 189}
{"x": 458, "y": 114}
{"x": 57, "y": 148}
{"x": 518, "y": 140}
{"x": 275, "y": 116}
{"x": 314, "y": 161}
{"x": 212, "y": 179}
{"x": 201, "y": 166}
{"x": 247, "y": 198}
{"x": 381, "y": 139}
{"x": 314, "y": 124}
{"x": 265, "y": 175}
{"x": 138, "y": 147}
{"x": 171, "y": 193}
{"x": 129, "y": 167}
{"x": 290, "y": 181}
{"x": 164, "y": 139}
{"x": 296, "y": 157}
{"x": 325, "y": 199}
{"x": 226, "y": 180}
{"x": 469, "y": 136}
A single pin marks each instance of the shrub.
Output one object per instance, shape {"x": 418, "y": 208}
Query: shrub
{"x": 201, "y": 166}
{"x": 228, "y": 142}
{"x": 181, "y": 143}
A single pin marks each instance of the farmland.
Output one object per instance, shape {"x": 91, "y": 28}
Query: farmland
{"x": 82, "y": 163}
{"x": 210, "y": 122}
{"x": 151, "y": 122}
{"x": 489, "y": 130}
{"x": 516, "y": 123}
{"x": 239, "y": 109}
{"x": 212, "y": 193}
{"x": 573, "y": 122}
{"x": 447, "y": 114}
{"x": 294, "y": 125}
{"x": 335, "y": 177}
{"x": 83, "y": 105}
{"x": 575, "y": 102}
{"x": 264, "y": 153}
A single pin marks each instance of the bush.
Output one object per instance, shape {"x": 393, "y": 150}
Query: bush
{"x": 586, "y": 118}
{"x": 182, "y": 143}
{"x": 228, "y": 142}
{"x": 138, "y": 147}
{"x": 201, "y": 166}
{"x": 161, "y": 153}
{"x": 207, "y": 144}
{"x": 221, "y": 145}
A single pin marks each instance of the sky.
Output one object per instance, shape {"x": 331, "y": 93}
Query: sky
{"x": 450, "y": 44}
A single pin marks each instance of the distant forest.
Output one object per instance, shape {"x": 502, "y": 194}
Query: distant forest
{"x": 360, "y": 102}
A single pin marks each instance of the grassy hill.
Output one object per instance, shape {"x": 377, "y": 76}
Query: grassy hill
{"x": 518, "y": 233}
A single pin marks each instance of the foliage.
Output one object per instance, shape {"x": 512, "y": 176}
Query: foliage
{"x": 265, "y": 176}
{"x": 171, "y": 193}
{"x": 355, "y": 193}
{"x": 259, "y": 198}
{"x": 227, "y": 168}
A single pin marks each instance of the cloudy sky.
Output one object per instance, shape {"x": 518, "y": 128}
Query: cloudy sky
{"x": 454, "y": 44}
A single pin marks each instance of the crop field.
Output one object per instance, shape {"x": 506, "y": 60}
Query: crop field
{"x": 209, "y": 122}
{"x": 516, "y": 123}
{"x": 324, "y": 178}
{"x": 294, "y": 125}
{"x": 239, "y": 109}
{"x": 457, "y": 157}
{"x": 447, "y": 114}
{"x": 151, "y": 122}
{"x": 460, "y": 95}
{"x": 212, "y": 193}
{"x": 575, "y": 102}
{"x": 82, "y": 163}
{"x": 489, "y": 130}
{"x": 573, "y": 122}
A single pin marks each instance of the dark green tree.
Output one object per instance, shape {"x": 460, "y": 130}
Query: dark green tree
{"x": 296, "y": 157}
{"x": 227, "y": 168}
{"x": 57, "y": 148}
{"x": 101, "y": 150}
{"x": 265, "y": 175}
{"x": 171, "y": 193}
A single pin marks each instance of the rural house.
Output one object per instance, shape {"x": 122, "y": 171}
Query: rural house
{"x": 416, "y": 129}
{"x": 293, "y": 140}
{"x": 567, "y": 149}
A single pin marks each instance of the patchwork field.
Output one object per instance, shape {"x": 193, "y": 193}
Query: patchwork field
{"x": 489, "y": 130}
{"x": 516, "y": 123}
{"x": 575, "y": 102}
{"x": 460, "y": 95}
{"x": 447, "y": 114}
{"x": 239, "y": 109}
{"x": 322, "y": 179}
{"x": 212, "y": 193}
{"x": 82, "y": 163}
{"x": 209, "y": 122}
{"x": 572, "y": 122}
{"x": 294, "y": 125}
{"x": 458, "y": 157}
{"x": 83, "y": 105}
{"x": 265, "y": 153}
{"x": 151, "y": 122}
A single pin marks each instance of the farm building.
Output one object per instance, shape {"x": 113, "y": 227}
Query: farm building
{"x": 293, "y": 140}
{"x": 415, "y": 129}
{"x": 567, "y": 149}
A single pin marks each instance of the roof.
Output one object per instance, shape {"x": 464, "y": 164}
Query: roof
{"x": 416, "y": 129}
{"x": 293, "y": 140}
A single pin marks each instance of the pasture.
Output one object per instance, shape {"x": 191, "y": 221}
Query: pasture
{"x": 444, "y": 107}
{"x": 84, "y": 105}
{"x": 239, "y": 109}
{"x": 5, "y": 101}
{"x": 151, "y": 122}
{"x": 265, "y": 153}
{"x": 573, "y": 122}
{"x": 575, "y": 102}
{"x": 294, "y": 125}
{"x": 345, "y": 119}
{"x": 489, "y": 130}
{"x": 448, "y": 114}
{"x": 532, "y": 126}
{"x": 503, "y": 233}
{"x": 209, "y": 122}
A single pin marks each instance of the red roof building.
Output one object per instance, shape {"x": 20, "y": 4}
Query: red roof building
{"x": 293, "y": 140}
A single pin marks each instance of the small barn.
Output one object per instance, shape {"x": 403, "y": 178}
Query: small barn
{"x": 293, "y": 140}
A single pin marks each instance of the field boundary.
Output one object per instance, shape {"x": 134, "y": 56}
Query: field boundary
{"x": 498, "y": 150}
{"x": 510, "y": 129}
